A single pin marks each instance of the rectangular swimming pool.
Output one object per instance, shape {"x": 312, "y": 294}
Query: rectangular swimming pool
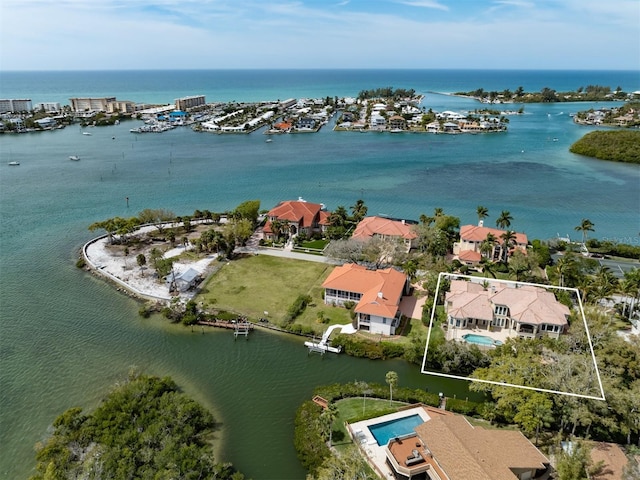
{"x": 384, "y": 431}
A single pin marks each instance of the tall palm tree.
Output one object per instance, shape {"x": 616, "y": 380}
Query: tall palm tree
{"x": 392, "y": 380}
{"x": 585, "y": 226}
{"x": 487, "y": 246}
{"x": 339, "y": 216}
{"x": 504, "y": 220}
{"x": 482, "y": 212}
{"x": 358, "y": 211}
{"x": 508, "y": 238}
{"x": 329, "y": 416}
{"x": 426, "y": 220}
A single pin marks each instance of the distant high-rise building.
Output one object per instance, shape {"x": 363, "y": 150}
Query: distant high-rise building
{"x": 91, "y": 104}
{"x": 189, "y": 102}
{"x": 15, "y": 105}
{"x": 48, "y": 106}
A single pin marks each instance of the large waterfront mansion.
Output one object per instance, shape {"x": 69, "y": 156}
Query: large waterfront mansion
{"x": 503, "y": 309}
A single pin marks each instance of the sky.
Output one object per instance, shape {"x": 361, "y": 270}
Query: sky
{"x": 303, "y": 34}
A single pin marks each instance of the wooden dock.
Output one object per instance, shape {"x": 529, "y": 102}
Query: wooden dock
{"x": 239, "y": 327}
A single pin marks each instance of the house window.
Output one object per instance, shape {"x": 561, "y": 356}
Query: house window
{"x": 384, "y": 321}
{"x": 501, "y": 310}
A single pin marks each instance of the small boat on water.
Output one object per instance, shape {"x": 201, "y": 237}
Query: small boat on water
{"x": 86, "y": 133}
{"x": 14, "y": 163}
{"x": 75, "y": 158}
{"x": 269, "y": 140}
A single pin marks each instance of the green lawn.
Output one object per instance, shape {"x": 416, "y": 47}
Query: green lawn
{"x": 318, "y": 244}
{"x": 255, "y": 284}
{"x": 350, "y": 409}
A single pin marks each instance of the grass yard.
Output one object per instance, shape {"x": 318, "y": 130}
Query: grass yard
{"x": 255, "y": 284}
{"x": 350, "y": 409}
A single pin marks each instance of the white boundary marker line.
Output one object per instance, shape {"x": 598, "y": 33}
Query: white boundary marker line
{"x": 504, "y": 384}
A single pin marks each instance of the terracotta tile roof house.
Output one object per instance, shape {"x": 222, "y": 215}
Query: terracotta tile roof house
{"x": 519, "y": 310}
{"x": 301, "y": 217}
{"x": 472, "y": 236}
{"x": 385, "y": 228}
{"x": 377, "y": 294}
{"x": 463, "y": 452}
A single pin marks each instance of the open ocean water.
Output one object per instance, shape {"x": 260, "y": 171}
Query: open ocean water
{"x": 66, "y": 337}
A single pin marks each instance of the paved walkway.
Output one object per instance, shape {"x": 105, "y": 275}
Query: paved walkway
{"x": 275, "y": 252}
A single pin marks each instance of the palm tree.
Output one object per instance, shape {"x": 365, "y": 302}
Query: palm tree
{"x": 487, "y": 246}
{"x": 632, "y": 287}
{"x": 488, "y": 267}
{"x": 339, "y": 216}
{"x": 508, "y": 237}
{"x": 482, "y": 212}
{"x": 563, "y": 264}
{"x": 585, "y": 226}
{"x": 504, "y": 220}
{"x": 358, "y": 211}
{"x": 328, "y": 416}
{"x": 392, "y": 380}
{"x": 426, "y": 220}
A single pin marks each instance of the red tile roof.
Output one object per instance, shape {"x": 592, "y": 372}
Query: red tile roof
{"x": 371, "y": 226}
{"x": 381, "y": 289}
{"x": 299, "y": 211}
{"x": 470, "y": 256}
{"x": 474, "y": 233}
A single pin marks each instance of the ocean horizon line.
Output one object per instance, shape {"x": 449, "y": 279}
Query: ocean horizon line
{"x": 327, "y": 69}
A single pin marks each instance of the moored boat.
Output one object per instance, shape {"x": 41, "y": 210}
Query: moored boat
{"x": 75, "y": 158}
{"x": 14, "y": 163}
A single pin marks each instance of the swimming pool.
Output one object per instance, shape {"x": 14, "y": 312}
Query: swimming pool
{"x": 384, "y": 431}
{"x": 480, "y": 340}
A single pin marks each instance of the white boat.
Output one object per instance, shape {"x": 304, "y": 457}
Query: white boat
{"x": 75, "y": 158}
{"x": 86, "y": 133}
{"x": 268, "y": 140}
{"x": 14, "y": 163}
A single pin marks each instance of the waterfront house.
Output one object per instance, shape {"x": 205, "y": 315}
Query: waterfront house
{"x": 472, "y": 237}
{"x": 397, "y": 122}
{"x": 299, "y": 216}
{"x": 462, "y": 451}
{"x": 387, "y": 229}
{"x": 306, "y": 123}
{"x": 428, "y": 443}
{"x": 517, "y": 310}
{"x": 376, "y": 294}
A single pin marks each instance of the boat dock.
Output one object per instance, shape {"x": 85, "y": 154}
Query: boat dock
{"x": 241, "y": 327}
{"x": 323, "y": 345}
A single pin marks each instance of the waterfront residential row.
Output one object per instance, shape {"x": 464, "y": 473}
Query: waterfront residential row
{"x": 301, "y": 115}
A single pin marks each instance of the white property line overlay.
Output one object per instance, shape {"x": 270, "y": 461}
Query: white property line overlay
{"x": 504, "y": 384}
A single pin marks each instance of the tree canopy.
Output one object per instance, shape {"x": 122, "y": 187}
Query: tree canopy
{"x": 145, "y": 428}
{"x": 614, "y": 145}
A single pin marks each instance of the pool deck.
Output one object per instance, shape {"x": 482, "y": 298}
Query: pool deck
{"x": 457, "y": 333}
{"x": 376, "y": 454}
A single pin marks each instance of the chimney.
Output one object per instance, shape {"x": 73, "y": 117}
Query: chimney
{"x": 481, "y": 223}
{"x": 380, "y": 295}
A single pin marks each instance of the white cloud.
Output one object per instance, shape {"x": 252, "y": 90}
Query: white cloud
{"x": 112, "y": 34}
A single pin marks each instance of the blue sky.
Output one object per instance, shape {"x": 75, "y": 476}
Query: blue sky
{"x": 175, "y": 34}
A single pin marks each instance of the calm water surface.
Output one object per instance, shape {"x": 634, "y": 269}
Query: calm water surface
{"x": 66, "y": 337}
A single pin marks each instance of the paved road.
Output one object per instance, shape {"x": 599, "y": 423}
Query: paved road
{"x": 274, "y": 252}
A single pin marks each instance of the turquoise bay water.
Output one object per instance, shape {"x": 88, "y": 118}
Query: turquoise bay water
{"x": 66, "y": 337}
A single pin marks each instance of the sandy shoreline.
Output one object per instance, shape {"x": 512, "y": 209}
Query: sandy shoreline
{"x": 142, "y": 282}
